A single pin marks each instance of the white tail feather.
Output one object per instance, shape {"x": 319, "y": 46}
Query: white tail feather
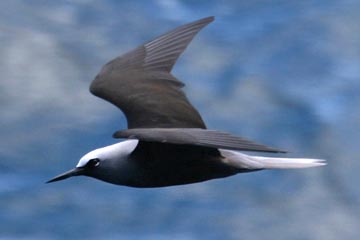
{"x": 241, "y": 160}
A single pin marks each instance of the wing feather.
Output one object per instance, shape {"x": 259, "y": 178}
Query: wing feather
{"x": 173, "y": 42}
{"x": 141, "y": 85}
{"x": 195, "y": 136}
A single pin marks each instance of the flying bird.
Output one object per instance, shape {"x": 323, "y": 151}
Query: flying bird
{"x": 167, "y": 140}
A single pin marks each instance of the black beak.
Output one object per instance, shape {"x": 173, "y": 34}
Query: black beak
{"x": 71, "y": 173}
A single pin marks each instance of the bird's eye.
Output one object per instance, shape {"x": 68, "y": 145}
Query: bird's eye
{"x": 93, "y": 162}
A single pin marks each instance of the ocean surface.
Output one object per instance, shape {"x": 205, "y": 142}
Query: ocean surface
{"x": 283, "y": 73}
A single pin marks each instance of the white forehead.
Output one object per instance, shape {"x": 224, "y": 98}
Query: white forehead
{"x": 114, "y": 151}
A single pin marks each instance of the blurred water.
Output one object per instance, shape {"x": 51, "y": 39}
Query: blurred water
{"x": 284, "y": 73}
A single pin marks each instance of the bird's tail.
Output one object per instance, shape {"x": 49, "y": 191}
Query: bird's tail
{"x": 244, "y": 161}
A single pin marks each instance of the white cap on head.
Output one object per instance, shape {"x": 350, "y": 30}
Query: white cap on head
{"x": 113, "y": 151}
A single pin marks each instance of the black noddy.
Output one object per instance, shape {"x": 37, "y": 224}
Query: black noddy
{"x": 168, "y": 142}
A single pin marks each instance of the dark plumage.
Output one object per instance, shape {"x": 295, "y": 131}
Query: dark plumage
{"x": 172, "y": 145}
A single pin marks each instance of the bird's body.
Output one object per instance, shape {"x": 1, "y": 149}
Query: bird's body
{"x": 161, "y": 164}
{"x": 169, "y": 144}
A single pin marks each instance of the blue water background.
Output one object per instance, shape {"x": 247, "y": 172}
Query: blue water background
{"x": 284, "y": 73}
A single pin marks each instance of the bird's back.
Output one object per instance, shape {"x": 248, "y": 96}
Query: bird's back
{"x": 163, "y": 164}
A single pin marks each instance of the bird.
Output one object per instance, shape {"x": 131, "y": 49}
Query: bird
{"x": 166, "y": 142}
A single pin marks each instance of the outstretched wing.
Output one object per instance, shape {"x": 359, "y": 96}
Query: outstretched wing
{"x": 141, "y": 85}
{"x": 195, "y": 137}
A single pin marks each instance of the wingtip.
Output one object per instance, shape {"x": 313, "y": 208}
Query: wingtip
{"x": 282, "y": 151}
{"x": 272, "y": 150}
{"x": 210, "y": 18}
{"x": 206, "y": 20}
{"x": 264, "y": 148}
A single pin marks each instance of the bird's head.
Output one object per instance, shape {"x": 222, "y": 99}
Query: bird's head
{"x": 101, "y": 162}
{"x": 88, "y": 165}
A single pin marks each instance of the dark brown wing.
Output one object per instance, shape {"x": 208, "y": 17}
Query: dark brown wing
{"x": 195, "y": 137}
{"x": 140, "y": 83}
